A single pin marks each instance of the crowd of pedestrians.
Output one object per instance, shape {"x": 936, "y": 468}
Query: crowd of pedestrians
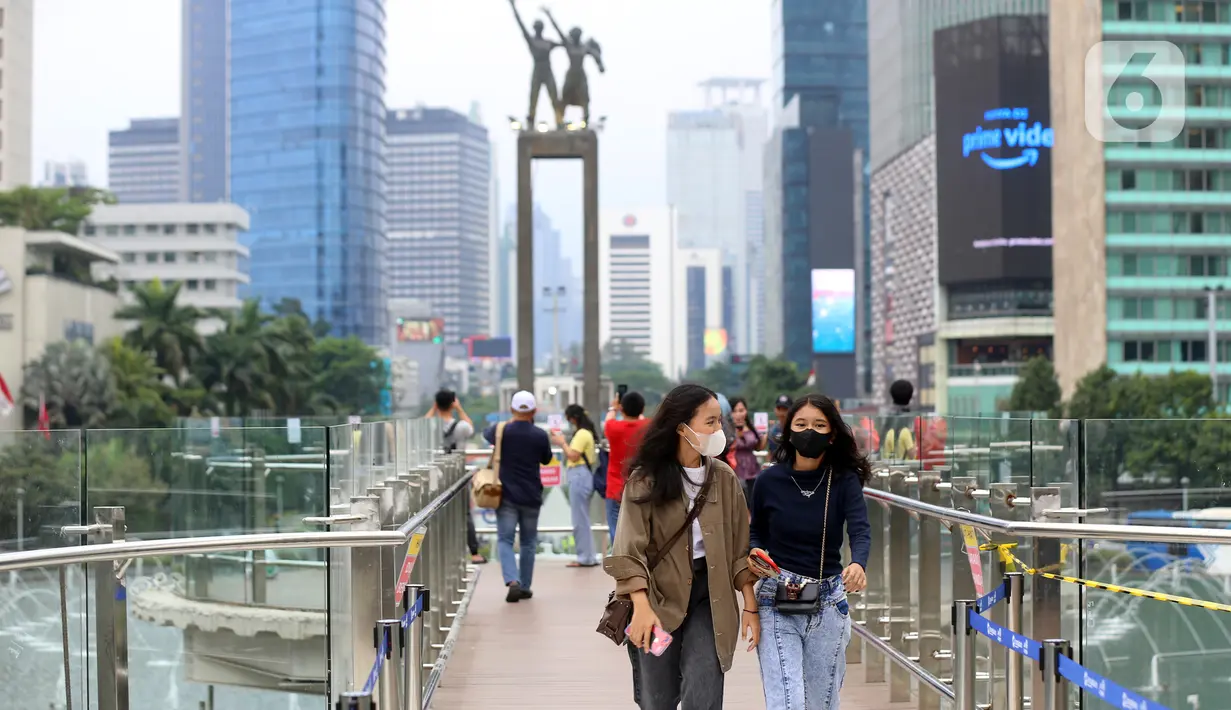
{"x": 710, "y": 547}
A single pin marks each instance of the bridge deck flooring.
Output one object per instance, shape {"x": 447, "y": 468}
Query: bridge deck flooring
{"x": 543, "y": 653}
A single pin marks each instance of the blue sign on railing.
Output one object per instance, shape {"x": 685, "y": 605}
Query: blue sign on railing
{"x": 1103, "y": 689}
{"x": 992, "y": 598}
{"x": 1011, "y": 640}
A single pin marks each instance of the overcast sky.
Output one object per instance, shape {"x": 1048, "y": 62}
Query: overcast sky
{"x": 99, "y": 63}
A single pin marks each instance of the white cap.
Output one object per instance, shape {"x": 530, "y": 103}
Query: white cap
{"x": 523, "y": 401}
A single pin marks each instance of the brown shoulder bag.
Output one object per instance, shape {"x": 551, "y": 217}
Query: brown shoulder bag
{"x": 618, "y": 613}
{"x": 485, "y": 486}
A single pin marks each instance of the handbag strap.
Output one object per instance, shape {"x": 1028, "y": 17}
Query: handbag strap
{"x": 494, "y": 463}
{"x": 693, "y": 514}
{"x": 825, "y": 523}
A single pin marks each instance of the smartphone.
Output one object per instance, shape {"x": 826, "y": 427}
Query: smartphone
{"x": 661, "y": 641}
{"x": 621, "y": 390}
{"x": 766, "y": 563}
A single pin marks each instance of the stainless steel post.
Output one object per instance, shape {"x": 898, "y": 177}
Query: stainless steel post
{"x": 364, "y": 593}
{"x": 899, "y": 620}
{"x": 963, "y": 656}
{"x": 1015, "y": 585}
{"x": 875, "y": 603}
{"x": 413, "y": 663}
{"x": 929, "y": 622}
{"x": 1045, "y": 594}
{"x": 1000, "y": 506}
{"x": 1055, "y": 693}
{"x": 389, "y": 634}
{"x": 963, "y": 582}
{"x": 257, "y": 506}
{"x": 389, "y": 562}
{"x": 111, "y": 621}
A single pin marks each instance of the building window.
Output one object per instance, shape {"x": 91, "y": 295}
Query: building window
{"x": 151, "y": 229}
{"x": 193, "y": 228}
{"x": 168, "y": 229}
{"x": 112, "y": 230}
{"x": 211, "y": 285}
{"x": 1128, "y": 180}
{"x": 168, "y": 257}
{"x": 211, "y": 228}
{"x": 89, "y": 230}
{"x": 130, "y": 230}
{"x": 193, "y": 284}
{"x": 151, "y": 258}
{"x": 130, "y": 258}
{"x": 211, "y": 257}
{"x": 194, "y": 257}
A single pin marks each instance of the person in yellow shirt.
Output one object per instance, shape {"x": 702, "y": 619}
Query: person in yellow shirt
{"x": 580, "y": 458}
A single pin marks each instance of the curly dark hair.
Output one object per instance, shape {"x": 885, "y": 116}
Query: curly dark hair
{"x": 843, "y": 452}
{"x": 657, "y": 460}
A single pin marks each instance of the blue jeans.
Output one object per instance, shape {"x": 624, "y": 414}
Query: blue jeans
{"x": 509, "y": 517}
{"x": 580, "y": 491}
{"x": 613, "y": 516}
{"x": 803, "y": 658}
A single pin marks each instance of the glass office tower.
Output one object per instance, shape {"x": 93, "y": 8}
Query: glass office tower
{"x": 307, "y": 155}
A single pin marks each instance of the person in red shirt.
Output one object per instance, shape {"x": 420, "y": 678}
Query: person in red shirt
{"x": 623, "y": 427}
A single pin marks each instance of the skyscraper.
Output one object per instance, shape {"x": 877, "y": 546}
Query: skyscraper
{"x": 204, "y": 100}
{"x": 16, "y": 91}
{"x": 143, "y": 161}
{"x": 821, "y": 105}
{"x": 307, "y": 122}
{"x": 71, "y": 173}
{"x": 714, "y": 182}
{"x": 439, "y": 182}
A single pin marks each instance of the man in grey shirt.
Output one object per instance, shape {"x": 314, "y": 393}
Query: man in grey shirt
{"x": 456, "y": 429}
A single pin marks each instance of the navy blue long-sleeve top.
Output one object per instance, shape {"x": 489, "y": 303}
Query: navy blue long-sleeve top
{"x": 787, "y": 524}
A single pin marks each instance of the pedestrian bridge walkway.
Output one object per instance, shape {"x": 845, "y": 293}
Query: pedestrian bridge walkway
{"x": 546, "y": 648}
{"x": 336, "y": 575}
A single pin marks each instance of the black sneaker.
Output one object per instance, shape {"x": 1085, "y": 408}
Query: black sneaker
{"x": 515, "y": 593}
{"x": 525, "y": 593}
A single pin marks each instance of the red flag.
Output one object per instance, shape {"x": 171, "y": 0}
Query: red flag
{"x": 6, "y": 399}
{"x": 44, "y": 421}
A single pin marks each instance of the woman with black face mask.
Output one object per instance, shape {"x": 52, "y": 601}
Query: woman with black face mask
{"x": 800, "y": 506}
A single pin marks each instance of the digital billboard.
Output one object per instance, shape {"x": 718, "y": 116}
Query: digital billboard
{"x": 501, "y": 347}
{"x": 833, "y": 311}
{"x": 994, "y": 142}
{"x": 420, "y": 330}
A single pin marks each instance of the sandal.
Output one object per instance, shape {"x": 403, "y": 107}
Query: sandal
{"x": 578, "y": 564}
{"x": 478, "y": 559}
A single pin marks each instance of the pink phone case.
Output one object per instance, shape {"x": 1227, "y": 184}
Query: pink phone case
{"x": 661, "y": 641}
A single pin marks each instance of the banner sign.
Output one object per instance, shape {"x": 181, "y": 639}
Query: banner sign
{"x": 408, "y": 564}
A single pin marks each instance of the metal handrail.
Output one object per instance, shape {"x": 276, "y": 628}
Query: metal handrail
{"x": 1062, "y": 531}
{"x": 904, "y": 661}
{"x": 131, "y": 549}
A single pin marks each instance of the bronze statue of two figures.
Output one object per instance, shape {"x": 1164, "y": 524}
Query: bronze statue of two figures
{"x": 576, "y": 90}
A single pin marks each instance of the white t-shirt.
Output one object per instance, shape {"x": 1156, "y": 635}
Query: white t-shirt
{"x": 694, "y": 478}
{"x": 460, "y": 435}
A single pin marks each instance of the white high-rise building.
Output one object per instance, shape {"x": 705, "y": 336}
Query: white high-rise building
{"x": 195, "y": 244}
{"x": 16, "y": 91}
{"x": 714, "y": 182}
{"x": 663, "y": 301}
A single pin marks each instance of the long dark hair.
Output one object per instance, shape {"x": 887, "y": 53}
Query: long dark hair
{"x": 577, "y": 414}
{"x": 735, "y": 402}
{"x": 657, "y": 459}
{"x": 843, "y": 453}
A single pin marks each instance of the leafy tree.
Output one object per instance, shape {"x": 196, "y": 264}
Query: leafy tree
{"x": 163, "y": 328}
{"x": 241, "y": 362}
{"x": 1037, "y": 389}
{"x": 625, "y": 365}
{"x": 50, "y": 208}
{"x": 121, "y": 476}
{"x": 767, "y": 378}
{"x": 1093, "y": 397}
{"x": 74, "y": 381}
{"x": 141, "y": 395}
{"x": 352, "y": 374}
{"x": 720, "y": 377}
{"x": 49, "y": 490}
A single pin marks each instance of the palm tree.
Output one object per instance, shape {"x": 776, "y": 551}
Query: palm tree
{"x": 244, "y": 362}
{"x": 164, "y": 329}
{"x": 75, "y": 382}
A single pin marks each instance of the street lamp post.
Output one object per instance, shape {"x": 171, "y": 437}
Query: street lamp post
{"x": 1211, "y": 308}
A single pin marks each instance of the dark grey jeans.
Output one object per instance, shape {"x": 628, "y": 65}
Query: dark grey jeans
{"x": 688, "y": 674}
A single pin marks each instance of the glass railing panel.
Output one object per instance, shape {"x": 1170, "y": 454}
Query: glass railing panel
{"x": 40, "y": 492}
{"x": 244, "y": 628}
{"x": 1160, "y": 472}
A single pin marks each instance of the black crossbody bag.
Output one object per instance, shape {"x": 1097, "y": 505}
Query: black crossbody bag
{"x": 803, "y": 599}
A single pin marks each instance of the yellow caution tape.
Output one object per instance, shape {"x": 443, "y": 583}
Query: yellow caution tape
{"x": 1009, "y": 561}
{"x": 1003, "y": 549}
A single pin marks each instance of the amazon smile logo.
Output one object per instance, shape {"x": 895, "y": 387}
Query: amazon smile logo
{"x": 1028, "y": 139}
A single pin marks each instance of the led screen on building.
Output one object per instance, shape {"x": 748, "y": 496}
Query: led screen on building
{"x": 833, "y": 311}
{"x": 420, "y": 330}
{"x": 994, "y": 141}
{"x": 499, "y": 348}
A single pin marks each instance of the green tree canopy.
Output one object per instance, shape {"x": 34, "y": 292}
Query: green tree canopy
{"x": 767, "y": 378}
{"x": 49, "y": 208}
{"x": 1037, "y": 389}
{"x": 163, "y": 328}
{"x": 74, "y": 381}
{"x": 352, "y": 374}
{"x": 626, "y": 366}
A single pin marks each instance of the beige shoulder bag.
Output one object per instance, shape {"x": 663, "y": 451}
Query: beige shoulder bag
{"x": 485, "y": 486}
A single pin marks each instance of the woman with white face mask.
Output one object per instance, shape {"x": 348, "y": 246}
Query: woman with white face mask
{"x": 680, "y": 556}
